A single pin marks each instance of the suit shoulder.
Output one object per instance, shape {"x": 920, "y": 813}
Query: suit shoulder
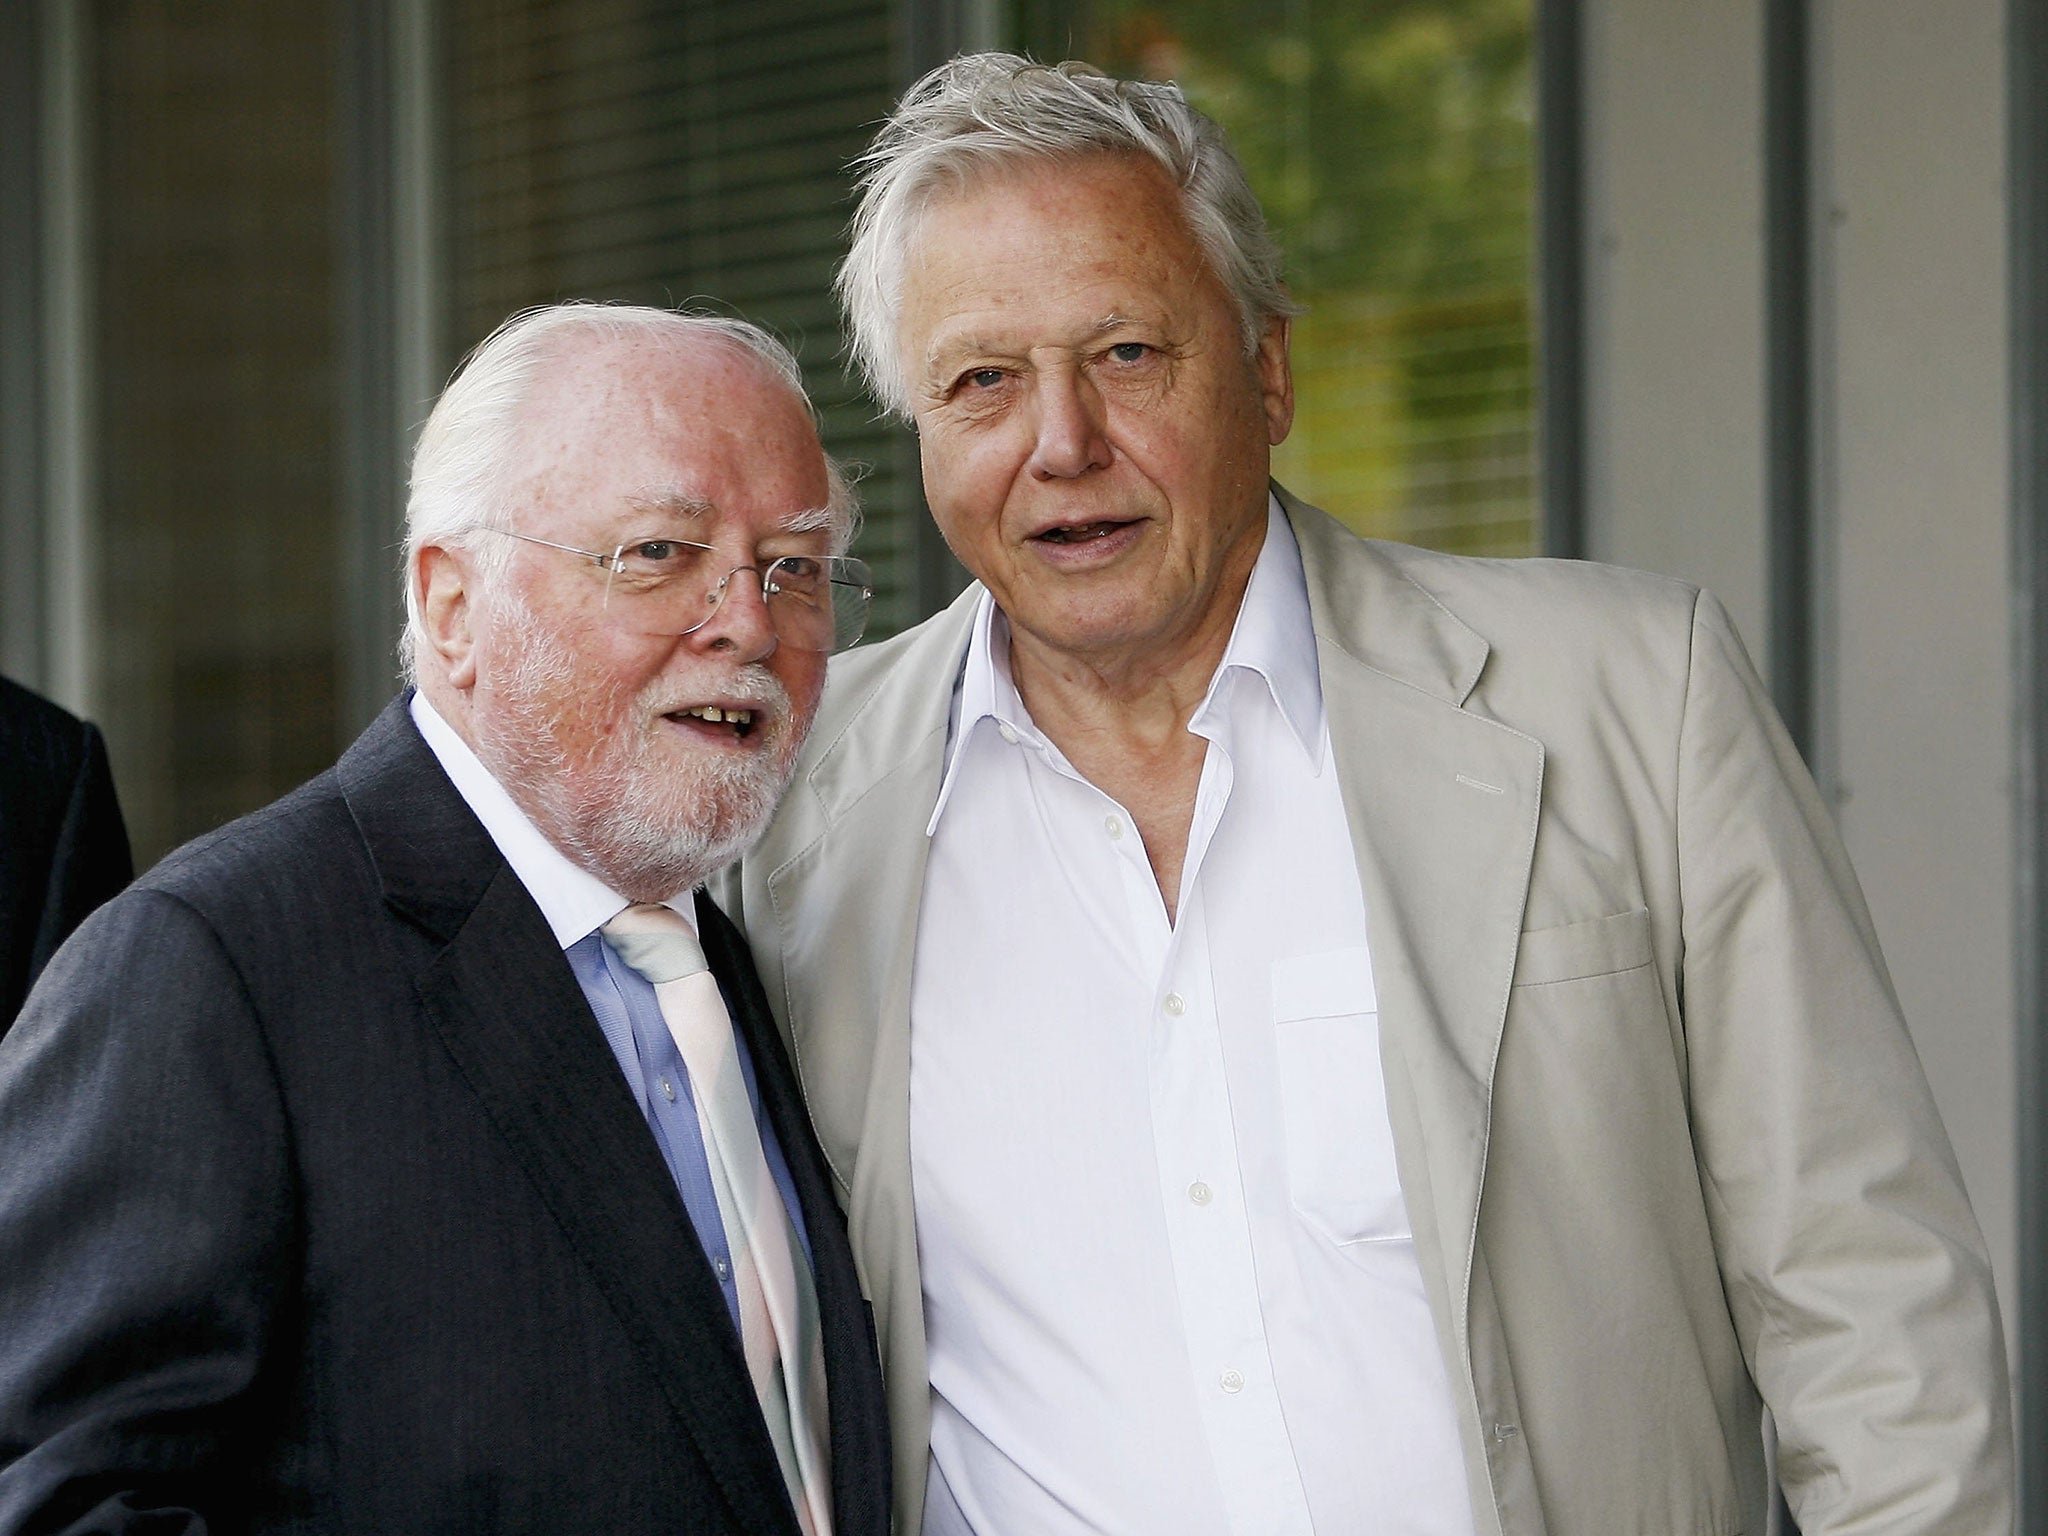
{"x": 290, "y": 851}
{"x": 858, "y": 675}
{"x": 1569, "y": 614}
{"x": 1539, "y": 586}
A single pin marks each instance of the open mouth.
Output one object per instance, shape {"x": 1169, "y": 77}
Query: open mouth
{"x": 1080, "y": 533}
{"x": 715, "y": 719}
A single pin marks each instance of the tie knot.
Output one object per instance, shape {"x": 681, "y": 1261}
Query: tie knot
{"x": 656, "y": 942}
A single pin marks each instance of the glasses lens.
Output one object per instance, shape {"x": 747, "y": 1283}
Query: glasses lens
{"x": 819, "y": 603}
{"x": 663, "y": 583}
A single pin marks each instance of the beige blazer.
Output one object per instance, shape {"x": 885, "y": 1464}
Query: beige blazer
{"x": 1666, "y": 1145}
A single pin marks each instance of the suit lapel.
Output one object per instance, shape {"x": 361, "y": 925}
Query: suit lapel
{"x": 848, "y": 940}
{"x": 844, "y": 893}
{"x": 507, "y": 1007}
{"x": 859, "y": 1436}
{"x": 1442, "y": 804}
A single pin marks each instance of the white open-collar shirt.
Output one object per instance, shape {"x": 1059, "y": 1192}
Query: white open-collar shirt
{"x": 1169, "y": 1279}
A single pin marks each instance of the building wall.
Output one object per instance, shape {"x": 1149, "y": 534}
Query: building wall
{"x": 1915, "y": 549}
{"x": 1910, "y": 593}
{"x": 1675, "y": 294}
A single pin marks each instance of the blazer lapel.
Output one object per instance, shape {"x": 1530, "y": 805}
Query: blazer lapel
{"x": 508, "y": 1009}
{"x": 846, "y": 864}
{"x": 859, "y": 1434}
{"x": 1443, "y": 804}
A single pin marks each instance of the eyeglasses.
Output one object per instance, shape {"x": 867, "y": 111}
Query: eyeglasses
{"x": 672, "y": 587}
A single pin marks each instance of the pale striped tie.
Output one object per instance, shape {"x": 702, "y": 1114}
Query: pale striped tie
{"x": 778, "y": 1305}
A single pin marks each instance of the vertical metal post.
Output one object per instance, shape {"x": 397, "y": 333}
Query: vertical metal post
{"x": 66, "y": 287}
{"x": 1561, "y": 277}
{"x": 21, "y": 351}
{"x": 389, "y": 344}
{"x": 423, "y": 348}
{"x": 1789, "y": 499}
{"x": 364, "y": 285}
{"x": 2027, "y": 177}
{"x": 933, "y": 31}
{"x": 1788, "y": 364}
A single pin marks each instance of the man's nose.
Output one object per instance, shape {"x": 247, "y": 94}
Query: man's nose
{"x": 1071, "y": 438}
{"x": 739, "y": 621}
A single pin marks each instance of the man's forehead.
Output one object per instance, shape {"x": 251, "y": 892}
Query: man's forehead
{"x": 594, "y": 386}
{"x": 637, "y": 438}
{"x": 1031, "y": 257}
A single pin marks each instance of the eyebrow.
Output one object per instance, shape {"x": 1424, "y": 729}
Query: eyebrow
{"x": 688, "y": 508}
{"x": 945, "y": 349}
{"x": 811, "y": 520}
{"x": 666, "y": 503}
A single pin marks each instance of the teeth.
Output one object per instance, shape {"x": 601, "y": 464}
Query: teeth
{"x": 713, "y": 713}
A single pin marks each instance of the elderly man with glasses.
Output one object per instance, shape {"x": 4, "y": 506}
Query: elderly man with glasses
{"x": 416, "y": 1154}
{"x": 1317, "y": 1035}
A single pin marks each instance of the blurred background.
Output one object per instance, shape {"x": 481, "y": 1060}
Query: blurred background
{"x": 1750, "y": 292}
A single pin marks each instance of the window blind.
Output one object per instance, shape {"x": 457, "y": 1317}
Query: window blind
{"x": 678, "y": 154}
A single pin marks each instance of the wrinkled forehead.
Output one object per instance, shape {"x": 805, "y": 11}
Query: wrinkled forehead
{"x": 1089, "y": 244}
{"x": 1013, "y": 175}
{"x": 593, "y": 387}
{"x": 1117, "y": 211}
{"x": 701, "y": 435}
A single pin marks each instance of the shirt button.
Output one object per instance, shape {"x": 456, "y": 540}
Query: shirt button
{"x": 1200, "y": 1193}
{"x": 1007, "y": 731}
{"x": 1231, "y": 1381}
{"x": 723, "y": 1268}
{"x": 1174, "y": 1005}
{"x": 668, "y": 1089}
{"x": 1113, "y": 825}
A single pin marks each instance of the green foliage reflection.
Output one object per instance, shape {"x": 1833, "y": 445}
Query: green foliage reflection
{"x": 1390, "y": 143}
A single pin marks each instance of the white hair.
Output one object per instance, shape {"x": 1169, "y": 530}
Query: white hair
{"x": 984, "y": 114}
{"x": 471, "y": 440}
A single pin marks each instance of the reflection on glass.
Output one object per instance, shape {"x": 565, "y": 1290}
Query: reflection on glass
{"x": 216, "y": 573}
{"x": 1390, "y": 141}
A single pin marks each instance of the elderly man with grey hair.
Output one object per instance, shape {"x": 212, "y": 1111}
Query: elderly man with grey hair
{"x": 415, "y": 1155}
{"x": 1316, "y": 1035}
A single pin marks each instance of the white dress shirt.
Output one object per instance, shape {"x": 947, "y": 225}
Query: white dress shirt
{"x": 576, "y": 904}
{"x": 1168, "y": 1274}
{"x": 573, "y": 900}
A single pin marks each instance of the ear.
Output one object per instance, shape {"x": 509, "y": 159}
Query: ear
{"x": 1276, "y": 378}
{"x": 442, "y": 583}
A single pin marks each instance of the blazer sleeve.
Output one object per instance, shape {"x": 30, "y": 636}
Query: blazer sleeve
{"x": 1854, "y": 1269}
{"x": 146, "y": 1224}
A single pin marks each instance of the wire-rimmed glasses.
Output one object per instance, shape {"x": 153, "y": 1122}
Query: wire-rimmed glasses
{"x": 672, "y": 587}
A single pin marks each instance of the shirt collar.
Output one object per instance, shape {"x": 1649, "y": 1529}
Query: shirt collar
{"x": 1273, "y": 638}
{"x": 573, "y": 900}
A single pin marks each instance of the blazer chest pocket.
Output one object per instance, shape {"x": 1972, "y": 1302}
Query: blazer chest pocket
{"x": 1340, "y": 1146}
{"x": 1600, "y": 946}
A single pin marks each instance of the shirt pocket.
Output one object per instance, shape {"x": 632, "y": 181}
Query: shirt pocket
{"x": 1340, "y": 1146}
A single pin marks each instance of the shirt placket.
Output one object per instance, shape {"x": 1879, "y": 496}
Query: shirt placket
{"x": 1201, "y": 1192}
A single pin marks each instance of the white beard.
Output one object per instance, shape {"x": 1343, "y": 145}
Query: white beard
{"x": 649, "y": 823}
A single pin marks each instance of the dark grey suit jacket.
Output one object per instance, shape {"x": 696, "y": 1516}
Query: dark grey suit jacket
{"x": 324, "y": 1207}
{"x": 63, "y": 847}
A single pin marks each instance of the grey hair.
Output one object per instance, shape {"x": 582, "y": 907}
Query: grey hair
{"x": 470, "y": 442}
{"x": 985, "y": 113}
